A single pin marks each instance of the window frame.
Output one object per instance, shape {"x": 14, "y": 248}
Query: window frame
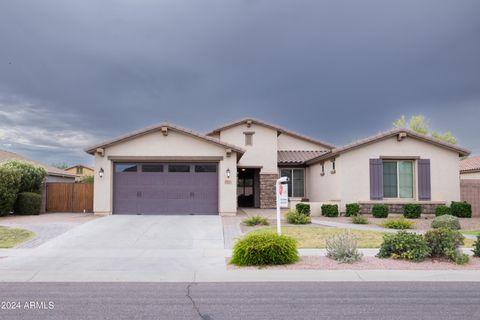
{"x": 291, "y": 174}
{"x": 414, "y": 189}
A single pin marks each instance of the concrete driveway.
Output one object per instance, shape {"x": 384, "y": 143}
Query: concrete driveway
{"x": 127, "y": 248}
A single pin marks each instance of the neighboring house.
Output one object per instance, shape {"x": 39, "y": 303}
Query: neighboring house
{"x": 53, "y": 174}
{"x": 166, "y": 169}
{"x": 470, "y": 168}
{"x": 80, "y": 171}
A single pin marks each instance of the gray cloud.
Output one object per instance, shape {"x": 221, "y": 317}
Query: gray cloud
{"x": 337, "y": 70}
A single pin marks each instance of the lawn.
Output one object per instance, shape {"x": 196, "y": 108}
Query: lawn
{"x": 471, "y": 232}
{"x": 9, "y": 238}
{"x": 314, "y": 237}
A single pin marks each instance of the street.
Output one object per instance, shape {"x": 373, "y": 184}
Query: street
{"x": 294, "y": 300}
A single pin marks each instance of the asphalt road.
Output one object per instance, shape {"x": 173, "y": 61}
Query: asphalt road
{"x": 240, "y": 301}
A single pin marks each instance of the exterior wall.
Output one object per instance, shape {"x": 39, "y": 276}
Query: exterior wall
{"x": 174, "y": 145}
{"x": 86, "y": 172}
{"x": 267, "y": 191}
{"x": 355, "y": 175}
{"x": 263, "y": 151}
{"x": 470, "y": 192}
{"x": 60, "y": 179}
{"x": 288, "y": 142}
{"x": 472, "y": 175}
{"x": 324, "y": 188}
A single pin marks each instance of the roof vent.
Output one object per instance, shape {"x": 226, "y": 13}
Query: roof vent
{"x": 401, "y": 136}
{"x": 165, "y": 131}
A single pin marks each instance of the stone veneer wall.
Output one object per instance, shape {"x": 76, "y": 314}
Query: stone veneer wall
{"x": 267, "y": 191}
{"x": 427, "y": 208}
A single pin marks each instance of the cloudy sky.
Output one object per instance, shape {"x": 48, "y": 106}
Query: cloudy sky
{"x": 73, "y": 73}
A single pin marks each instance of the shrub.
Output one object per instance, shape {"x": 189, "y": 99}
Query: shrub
{"x": 446, "y": 221}
{"x": 352, "y": 209}
{"x": 476, "y": 247}
{"x": 330, "y": 210}
{"x": 343, "y": 248}
{"x": 264, "y": 248}
{"x": 442, "y": 210}
{"x": 404, "y": 245}
{"x": 400, "y": 224}
{"x": 446, "y": 243}
{"x": 461, "y": 209}
{"x": 255, "y": 221}
{"x": 32, "y": 176}
{"x": 9, "y": 186}
{"x": 359, "y": 220}
{"x": 303, "y": 208}
{"x": 88, "y": 179}
{"x": 295, "y": 217}
{"x": 412, "y": 211}
{"x": 28, "y": 203}
{"x": 380, "y": 210}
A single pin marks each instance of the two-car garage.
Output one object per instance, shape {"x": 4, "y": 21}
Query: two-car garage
{"x": 149, "y": 188}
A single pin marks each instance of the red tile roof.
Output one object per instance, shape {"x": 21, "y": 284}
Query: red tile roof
{"x": 470, "y": 165}
{"x": 297, "y": 156}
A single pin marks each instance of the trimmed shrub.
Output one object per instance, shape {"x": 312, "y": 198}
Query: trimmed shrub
{"x": 380, "y": 210}
{"x": 32, "y": 176}
{"x": 446, "y": 243}
{"x": 303, "y": 208}
{"x": 88, "y": 179}
{"x": 352, "y": 209}
{"x": 476, "y": 247}
{"x": 404, "y": 245}
{"x": 28, "y": 203}
{"x": 446, "y": 221}
{"x": 264, "y": 248}
{"x": 343, "y": 248}
{"x": 442, "y": 210}
{"x": 9, "y": 185}
{"x": 295, "y": 217}
{"x": 461, "y": 209}
{"x": 329, "y": 210}
{"x": 399, "y": 224}
{"x": 359, "y": 220}
{"x": 412, "y": 211}
{"x": 256, "y": 221}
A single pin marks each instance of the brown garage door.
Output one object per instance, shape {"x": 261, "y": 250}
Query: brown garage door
{"x": 165, "y": 188}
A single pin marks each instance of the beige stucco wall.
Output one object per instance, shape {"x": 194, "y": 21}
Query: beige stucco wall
{"x": 288, "y": 142}
{"x": 263, "y": 151}
{"x": 472, "y": 175}
{"x": 324, "y": 188}
{"x": 176, "y": 144}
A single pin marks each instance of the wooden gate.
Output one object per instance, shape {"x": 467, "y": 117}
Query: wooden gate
{"x": 69, "y": 197}
{"x": 470, "y": 192}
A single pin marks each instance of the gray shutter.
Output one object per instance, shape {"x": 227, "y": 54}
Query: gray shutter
{"x": 424, "y": 184}
{"x": 376, "y": 179}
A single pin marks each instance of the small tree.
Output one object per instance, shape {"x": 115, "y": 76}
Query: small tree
{"x": 31, "y": 176}
{"x": 447, "y": 137}
{"x": 420, "y": 124}
{"x": 9, "y": 185}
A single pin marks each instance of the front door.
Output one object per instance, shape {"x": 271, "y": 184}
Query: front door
{"x": 246, "y": 188}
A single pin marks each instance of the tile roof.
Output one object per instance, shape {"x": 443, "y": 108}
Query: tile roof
{"x": 470, "y": 165}
{"x": 274, "y": 127}
{"x": 297, "y": 156}
{"x": 52, "y": 171}
{"x": 158, "y": 127}
{"x": 387, "y": 134}
{"x": 80, "y": 165}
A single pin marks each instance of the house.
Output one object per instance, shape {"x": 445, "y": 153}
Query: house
{"x": 53, "y": 174}
{"x": 80, "y": 171}
{"x": 470, "y": 168}
{"x": 167, "y": 169}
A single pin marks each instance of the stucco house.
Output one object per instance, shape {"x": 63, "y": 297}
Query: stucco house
{"x": 80, "y": 171}
{"x": 167, "y": 169}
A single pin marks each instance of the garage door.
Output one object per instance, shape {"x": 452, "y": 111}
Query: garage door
{"x": 165, "y": 188}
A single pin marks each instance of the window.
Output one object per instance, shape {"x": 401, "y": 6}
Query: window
{"x": 248, "y": 138}
{"x": 178, "y": 168}
{"x": 152, "y": 168}
{"x": 79, "y": 170}
{"x": 205, "y": 168}
{"x": 126, "y": 167}
{"x": 296, "y": 183}
{"x": 398, "y": 179}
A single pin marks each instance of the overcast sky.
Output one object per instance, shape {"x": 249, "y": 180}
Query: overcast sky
{"x": 73, "y": 73}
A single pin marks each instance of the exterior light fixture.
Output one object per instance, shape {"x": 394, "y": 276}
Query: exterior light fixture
{"x": 100, "y": 173}
{"x": 228, "y": 173}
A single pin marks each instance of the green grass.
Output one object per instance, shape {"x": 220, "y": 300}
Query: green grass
{"x": 314, "y": 237}
{"x": 10, "y": 238}
{"x": 471, "y": 232}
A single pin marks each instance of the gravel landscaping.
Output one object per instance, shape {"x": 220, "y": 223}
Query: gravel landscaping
{"x": 367, "y": 263}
